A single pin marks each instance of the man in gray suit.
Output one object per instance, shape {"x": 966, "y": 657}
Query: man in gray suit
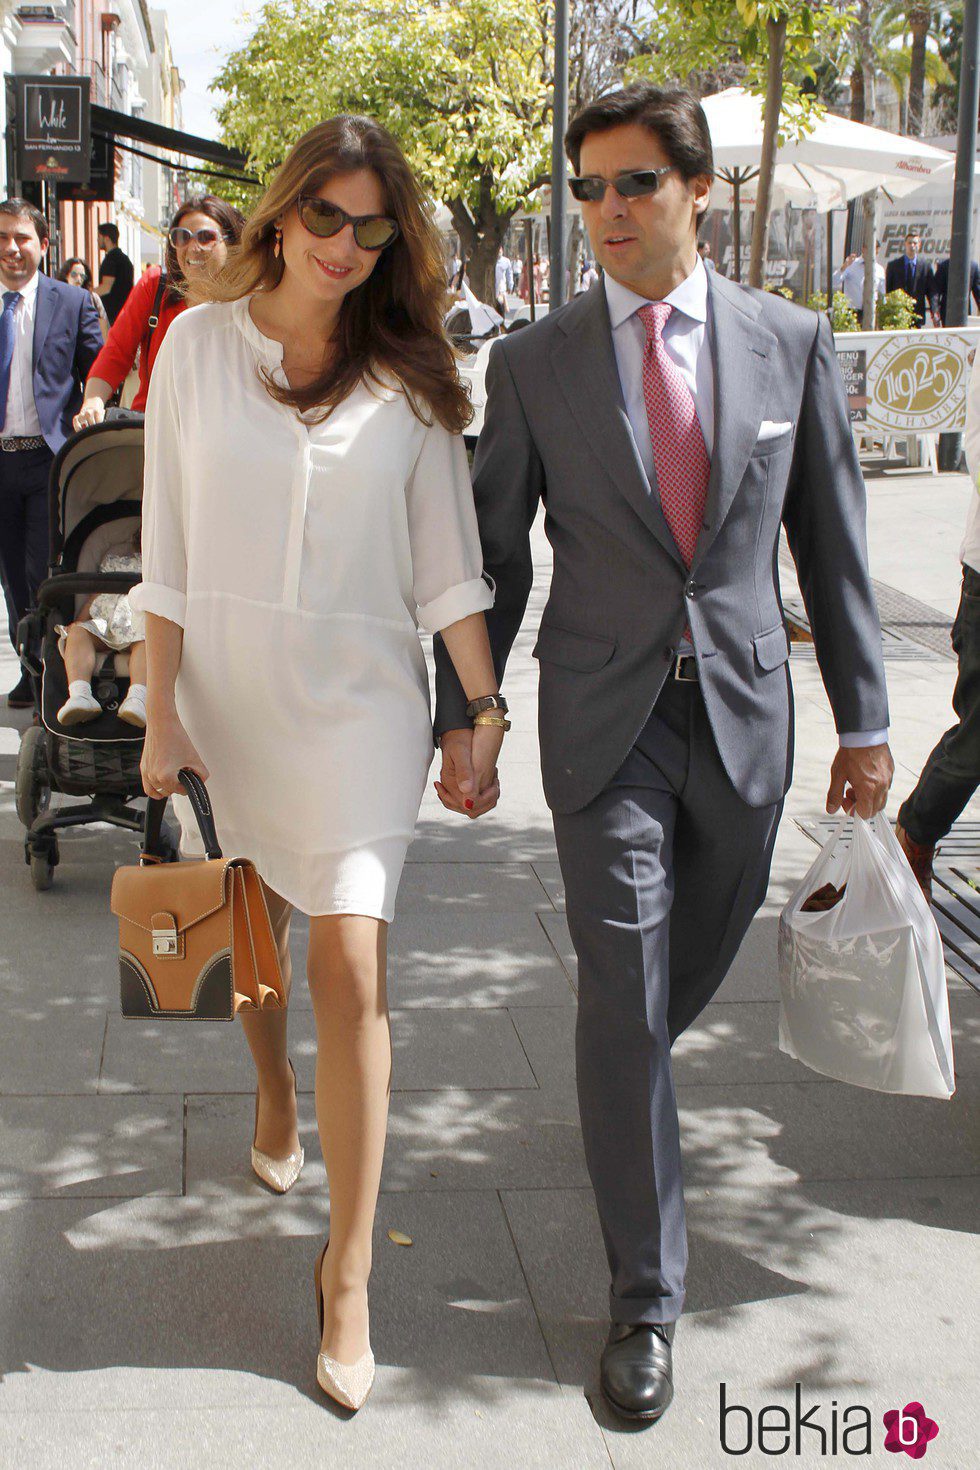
{"x": 671, "y": 421}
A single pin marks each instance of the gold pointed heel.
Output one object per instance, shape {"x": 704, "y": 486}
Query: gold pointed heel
{"x": 348, "y": 1384}
{"x": 279, "y": 1174}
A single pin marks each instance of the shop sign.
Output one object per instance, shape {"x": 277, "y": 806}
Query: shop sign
{"x": 53, "y": 128}
{"x": 908, "y": 382}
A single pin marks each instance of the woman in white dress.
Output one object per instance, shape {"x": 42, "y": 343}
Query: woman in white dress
{"x": 306, "y": 512}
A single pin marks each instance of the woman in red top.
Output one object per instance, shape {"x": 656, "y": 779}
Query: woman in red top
{"x": 198, "y": 240}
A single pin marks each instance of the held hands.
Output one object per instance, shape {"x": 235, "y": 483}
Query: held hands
{"x": 469, "y": 783}
{"x": 92, "y": 411}
{"x": 167, "y": 749}
{"x": 860, "y": 779}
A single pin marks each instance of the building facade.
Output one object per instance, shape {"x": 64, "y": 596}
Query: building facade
{"x": 124, "y": 49}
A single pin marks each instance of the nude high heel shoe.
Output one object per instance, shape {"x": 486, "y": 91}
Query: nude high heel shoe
{"x": 348, "y": 1384}
{"x": 279, "y": 1174}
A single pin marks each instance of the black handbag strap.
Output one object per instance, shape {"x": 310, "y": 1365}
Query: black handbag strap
{"x": 197, "y": 794}
{"x": 153, "y": 320}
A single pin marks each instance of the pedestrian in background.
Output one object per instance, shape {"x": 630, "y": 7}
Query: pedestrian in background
{"x": 542, "y": 277}
{"x": 942, "y": 286}
{"x": 503, "y": 280}
{"x": 912, "y": 273}
{"x": 850, "y": 280}
{"x": 115, "y": 273}
{"x": 952, "y": 773}
{"x": 49, "y": 338}
{"x": 589, "y": 275}
{"x": 704, "y": 250}
{"x": 75, "y": 272}
{"x": 198, "y": 241}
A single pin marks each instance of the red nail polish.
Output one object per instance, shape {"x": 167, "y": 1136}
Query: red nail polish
{"x": 468, "y": 805}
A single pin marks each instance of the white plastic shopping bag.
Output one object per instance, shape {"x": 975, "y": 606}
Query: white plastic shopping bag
{"x": 864, "y": 982}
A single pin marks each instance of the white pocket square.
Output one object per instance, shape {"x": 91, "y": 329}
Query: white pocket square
{"x": 768, "y": 429}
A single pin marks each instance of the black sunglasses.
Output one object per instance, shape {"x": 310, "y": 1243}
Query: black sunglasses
{"x": 636, "y": 184}
{"x": 323, "y": 219}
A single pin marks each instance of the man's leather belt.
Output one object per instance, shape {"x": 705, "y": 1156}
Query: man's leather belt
{"x": 12, "y": 446}
{"x": 685, "y": 669}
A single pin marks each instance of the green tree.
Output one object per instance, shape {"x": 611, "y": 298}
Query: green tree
{"x": 776, "y": 46}
{"x": 465, "y": 87}
{"x": 946, "y": 95}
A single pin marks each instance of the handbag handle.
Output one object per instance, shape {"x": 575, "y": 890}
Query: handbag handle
{"x": 197, "y": 794}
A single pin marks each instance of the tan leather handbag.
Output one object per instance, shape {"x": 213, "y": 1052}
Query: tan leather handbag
{"x": 195, "y": 938}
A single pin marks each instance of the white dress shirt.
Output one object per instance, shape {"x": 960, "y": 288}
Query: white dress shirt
{"x": 22, "y": 421}
{"x": 687, "y": 341}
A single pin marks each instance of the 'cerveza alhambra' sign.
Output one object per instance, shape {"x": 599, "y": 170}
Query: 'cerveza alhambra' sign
{"x": 908, "y": 382}
{"x": 53, "y": 128}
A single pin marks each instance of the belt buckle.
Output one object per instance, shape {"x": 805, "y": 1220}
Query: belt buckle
{"x": 679, "y": 662}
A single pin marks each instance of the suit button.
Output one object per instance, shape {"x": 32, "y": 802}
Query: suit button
{"x": 689, "y": 590}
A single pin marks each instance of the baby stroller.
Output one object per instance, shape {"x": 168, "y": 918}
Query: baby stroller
{"x": 95, "y": 497}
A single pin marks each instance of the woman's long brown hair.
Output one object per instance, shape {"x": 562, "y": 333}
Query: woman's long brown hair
{"x": 392, "y": 324}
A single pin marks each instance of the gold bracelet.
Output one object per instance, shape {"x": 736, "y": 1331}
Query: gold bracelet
{"x": 497, "y": 720}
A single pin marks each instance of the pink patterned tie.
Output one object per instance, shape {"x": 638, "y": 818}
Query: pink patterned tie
{"x": 679, "y": 454}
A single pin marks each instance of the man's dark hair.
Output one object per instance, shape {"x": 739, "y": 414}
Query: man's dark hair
{"x": 673, "y": 114}
{"x": 21, "y": 209}
{"x": 110, "y": 231}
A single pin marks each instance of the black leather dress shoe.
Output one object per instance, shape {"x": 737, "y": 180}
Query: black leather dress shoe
{"x": 21, "y": 696}
{"x": 636, "y": 1373}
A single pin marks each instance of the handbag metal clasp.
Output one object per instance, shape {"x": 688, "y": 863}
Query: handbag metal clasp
{"x": 164, "y": 941}
{"x": 164, "y": 932}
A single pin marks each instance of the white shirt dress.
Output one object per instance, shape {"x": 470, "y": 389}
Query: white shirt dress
{"x": 302, "y": 561}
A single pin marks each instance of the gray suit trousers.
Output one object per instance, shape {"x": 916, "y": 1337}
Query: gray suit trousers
{"x": 663, "y": 872}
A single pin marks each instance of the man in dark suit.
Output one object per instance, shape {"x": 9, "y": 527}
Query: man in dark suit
{"x": 942, "y": 286}
{"x": 912, "y": 273}
{"x": 49, "y": 338}
{"x": 672, "y": 422}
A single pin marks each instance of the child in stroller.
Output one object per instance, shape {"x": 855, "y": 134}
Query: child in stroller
{"x": 105, "y": 623}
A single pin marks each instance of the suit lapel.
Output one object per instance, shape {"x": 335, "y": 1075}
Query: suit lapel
{"x": 585, "y": 366}
{"x": 44, "y": 309}
{"x": 741, "y": 369}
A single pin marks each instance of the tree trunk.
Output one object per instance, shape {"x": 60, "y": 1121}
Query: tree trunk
{"x": 857, "y": 92}
{"x": 575, "y": 246}
{"x": 866, "y": 51}
{"x": 870, "y": 297}
{"x": 480, "y": 239}
{"x": 919, "y": 20}
{"x": 776, "y": 32}
{"x": 481, "y": 263}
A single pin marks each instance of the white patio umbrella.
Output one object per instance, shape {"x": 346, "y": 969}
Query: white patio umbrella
{"x": 833, "y": 164}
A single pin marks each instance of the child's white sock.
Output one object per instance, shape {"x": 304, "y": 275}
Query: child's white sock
{"x": 80, "y": 689}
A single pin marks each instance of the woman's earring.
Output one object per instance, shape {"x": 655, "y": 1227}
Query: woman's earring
{"x": 277, "y": 247}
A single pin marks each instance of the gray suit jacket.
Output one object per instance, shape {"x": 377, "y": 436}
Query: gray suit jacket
{"x": 556, "y": 429}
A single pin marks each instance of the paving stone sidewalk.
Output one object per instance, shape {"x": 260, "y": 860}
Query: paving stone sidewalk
{"x": 156, "y": 1304}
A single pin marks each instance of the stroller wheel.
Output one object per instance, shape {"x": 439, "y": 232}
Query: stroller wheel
{"x": 32, "y": 791}
{"x": 43, "y": 859}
